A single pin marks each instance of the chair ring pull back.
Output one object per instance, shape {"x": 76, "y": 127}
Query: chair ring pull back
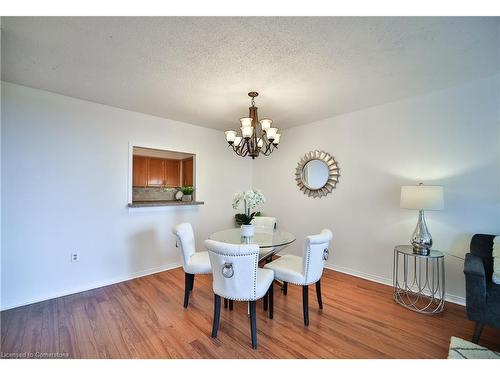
{"x": 325, "y": 254}
{"x": 227, "y": 270}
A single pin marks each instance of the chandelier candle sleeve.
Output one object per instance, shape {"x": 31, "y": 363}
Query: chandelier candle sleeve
{"x": 254, "y": 137}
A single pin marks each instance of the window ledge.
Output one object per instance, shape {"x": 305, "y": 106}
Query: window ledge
{"x": 163, "y": 203}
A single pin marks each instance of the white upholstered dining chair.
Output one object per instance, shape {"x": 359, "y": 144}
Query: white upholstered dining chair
{"x": 267, "y": 222}
{"x": 193, "y": 262}
{"x": 304, "y": 270}
{"x": 237, "y": 277}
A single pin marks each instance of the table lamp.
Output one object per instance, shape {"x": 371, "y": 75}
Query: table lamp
{"x": 422, "y": 197}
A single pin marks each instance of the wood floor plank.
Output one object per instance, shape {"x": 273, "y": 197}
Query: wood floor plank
{"x": 14, "y": 328}
{"x": 50, "y": 329}
{"x": 144, "y": 318}
{"x": 6, "y": 325}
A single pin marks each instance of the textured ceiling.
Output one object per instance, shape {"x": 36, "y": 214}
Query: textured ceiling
{"x": 199, "y": 70}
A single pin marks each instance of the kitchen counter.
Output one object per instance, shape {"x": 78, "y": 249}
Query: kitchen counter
{"x": 163, "y": 203}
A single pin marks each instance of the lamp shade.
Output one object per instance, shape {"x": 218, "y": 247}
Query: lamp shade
{"x": 230, "y": 135}
{"x": 266, "y": 123}
{"x": 271, "y": 133}
{"x": 422, "y": 197}
{"x": 246, "y": 131}
{"x": 246, "y": 121}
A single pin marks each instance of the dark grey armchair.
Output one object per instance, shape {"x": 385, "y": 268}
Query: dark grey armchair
{"x": 482, "y": 298}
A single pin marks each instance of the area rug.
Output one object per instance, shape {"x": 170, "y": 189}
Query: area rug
{"x": 462, "y": 349}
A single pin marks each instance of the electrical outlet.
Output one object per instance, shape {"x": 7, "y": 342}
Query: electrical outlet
{"x": 75, "y": 257}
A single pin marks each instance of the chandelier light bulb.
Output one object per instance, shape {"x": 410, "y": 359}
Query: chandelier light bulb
{"x": 260, "y": 143}
{"x": 247, "y": 131}
{"x": 276, "y": 139}
{"x": 246, "y": 121}
{"x": 230, "y": 136}
{"x": 265, "y": 123}
{"x": 237, "y": 141}
{"x": 271, "y": 133}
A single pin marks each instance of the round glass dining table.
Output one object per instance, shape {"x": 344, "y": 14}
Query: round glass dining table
{"x": 270, "y": 241}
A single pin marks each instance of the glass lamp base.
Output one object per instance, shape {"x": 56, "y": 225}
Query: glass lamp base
{"x": 421, "y": 239}
{"x": 421, "y": 250}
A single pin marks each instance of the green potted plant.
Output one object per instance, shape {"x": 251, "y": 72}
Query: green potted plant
{"x": 240, "y": 218}
{"x": 187, "y": 193}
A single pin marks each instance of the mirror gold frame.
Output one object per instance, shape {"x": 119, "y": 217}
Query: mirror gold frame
{"x": 333, "y": 176}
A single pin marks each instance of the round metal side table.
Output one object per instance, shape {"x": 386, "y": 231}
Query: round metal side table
{"x": 419, "y": 280}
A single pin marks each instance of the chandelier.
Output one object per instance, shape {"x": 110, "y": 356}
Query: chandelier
{"x": 255, "y": 137}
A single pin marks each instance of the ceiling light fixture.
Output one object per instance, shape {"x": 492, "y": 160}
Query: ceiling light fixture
{"x": 255, "y": 137}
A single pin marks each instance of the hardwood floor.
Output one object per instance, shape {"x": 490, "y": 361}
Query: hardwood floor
{"x": 144, "y": 318}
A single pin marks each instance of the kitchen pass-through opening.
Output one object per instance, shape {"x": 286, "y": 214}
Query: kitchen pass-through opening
{"x": 162, "y": 175}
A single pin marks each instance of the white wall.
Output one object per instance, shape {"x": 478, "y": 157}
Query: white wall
{"x": 64, "y": 186}
{"x": 64, "y": 173}
{"x": 448, "y": 138}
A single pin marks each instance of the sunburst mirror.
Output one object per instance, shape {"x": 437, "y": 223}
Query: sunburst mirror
{"x": 317, "y": 174}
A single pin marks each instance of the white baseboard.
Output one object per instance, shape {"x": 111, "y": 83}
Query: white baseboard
{"x": 382, "y": 280}
{"x": 91, "y": 286}
{"x": 455, "y": 299}
{"x": 378, "y": 279}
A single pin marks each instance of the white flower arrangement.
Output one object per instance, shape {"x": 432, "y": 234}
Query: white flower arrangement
{"x": 251, "y": 199}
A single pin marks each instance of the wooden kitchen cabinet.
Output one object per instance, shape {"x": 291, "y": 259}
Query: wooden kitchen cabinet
{"x": 187, "y": 172}
{"x": 156, "y": 172}
{"x": 140, "y": 171}
{"x": 172, "y": 173}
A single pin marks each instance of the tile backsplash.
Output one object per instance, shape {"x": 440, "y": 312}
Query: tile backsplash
{"x": 153, "y": 194}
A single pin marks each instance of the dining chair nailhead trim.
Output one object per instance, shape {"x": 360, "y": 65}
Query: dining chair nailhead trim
{"x": 309, "y": 283}
{"x": 236, "y": 299}
{"x": 235, "y": 255}
{"x": 255, "y": 277}
{"x": 308, "y": 250}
